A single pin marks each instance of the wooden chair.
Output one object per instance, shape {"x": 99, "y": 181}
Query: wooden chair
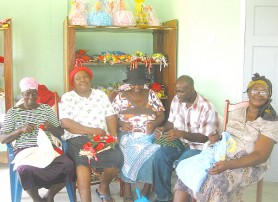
{"x": 230, "y": 107}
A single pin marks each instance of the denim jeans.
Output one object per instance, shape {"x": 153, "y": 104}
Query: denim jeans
{"x": 186, "y": 154}
{"x": 163, "y": 167}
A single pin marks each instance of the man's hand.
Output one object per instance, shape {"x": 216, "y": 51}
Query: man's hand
{"x": 214, "y": 137}
{"x": 173, "y": 134}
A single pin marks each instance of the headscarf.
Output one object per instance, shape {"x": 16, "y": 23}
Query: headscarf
{"x": 28, "y": 83}
{"x": 77, "y": 69}
{"x": 267, "y": 112}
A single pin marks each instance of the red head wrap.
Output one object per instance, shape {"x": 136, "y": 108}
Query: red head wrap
{"x": 77, "y": 69}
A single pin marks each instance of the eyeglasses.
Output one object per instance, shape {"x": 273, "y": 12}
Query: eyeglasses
{"x": 259, "y": 92}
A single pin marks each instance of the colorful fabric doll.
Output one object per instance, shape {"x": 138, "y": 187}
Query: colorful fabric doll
{"x": 78, "y": 13}
{"x": 100, "y": 17}
{"x": 151, "y": 16}
{"x": 122, "y": 17}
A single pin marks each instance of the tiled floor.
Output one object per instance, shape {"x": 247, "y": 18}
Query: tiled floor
{"x": 270, "y": 191}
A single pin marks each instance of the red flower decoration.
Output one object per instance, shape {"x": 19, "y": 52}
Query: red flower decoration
{"x": 156, "y": 87}
{"x": 96, "y": 138}
{"x": 110, "y": 139}
{"x": 100, "y": 146}
{"x": 96, "y": 145}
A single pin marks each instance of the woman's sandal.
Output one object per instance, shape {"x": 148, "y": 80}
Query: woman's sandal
{"x": 128, "y": 199}
{"x": 104, "y": 197}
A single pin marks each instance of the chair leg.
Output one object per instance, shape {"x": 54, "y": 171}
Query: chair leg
{"x": 16, "y": 188}
{"x": 71, "y": 192}
{"x": 121, "y": 187}
{"x": 259, "y": 193}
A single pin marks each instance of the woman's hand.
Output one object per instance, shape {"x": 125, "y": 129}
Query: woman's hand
{"x": 150, "y": 126}
{"x": 28, "y": 128}
{"x": 99, "y": 131}
{"x": 47, "y": 125}
{"x": 127, "y": 127}
{"x": 219, "y": 167}
{"x": 158, "y": 132}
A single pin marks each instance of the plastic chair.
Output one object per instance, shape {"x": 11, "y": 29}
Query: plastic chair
{"x": 230, "y": 107}
{"x": 15, "y": 186}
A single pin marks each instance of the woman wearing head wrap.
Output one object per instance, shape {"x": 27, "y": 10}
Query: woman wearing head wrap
{"x": 85, "y": 112}
{"x": 254, "y": 129}
{"x": 139, "y": 111}
{"x": 21, "y": 124}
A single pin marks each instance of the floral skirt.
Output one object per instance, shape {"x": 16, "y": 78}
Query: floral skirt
{"x": 111, "y": 158}
{"x": 227, "y": 186}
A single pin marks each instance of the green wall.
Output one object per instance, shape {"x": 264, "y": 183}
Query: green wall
{"x": 210, "y": 41}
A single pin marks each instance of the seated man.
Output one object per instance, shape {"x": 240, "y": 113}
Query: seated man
{"x": 192, "y": 118}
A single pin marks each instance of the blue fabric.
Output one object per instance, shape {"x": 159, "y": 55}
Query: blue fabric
{"x": 99, "y": 18}
{"x": 186, "y": 154}
{"x": 163, "y": 167}
{"x": 198, "y": 165}
{"x": 137, "y": 148}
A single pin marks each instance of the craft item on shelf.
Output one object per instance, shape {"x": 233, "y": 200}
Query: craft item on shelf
{"x": 151, "y": 16}
{"x": 100, "y": 16}
{"x": 5, "y": 23}
{"x": 121, "y": 16}
{"x": 111, "y": 89}
{"x": 81, "y": 56}
{"x": 111, "y": 57}
{"x": 139, "y": 57}
{"x": 161, "y": 59}
{"x": 140, "y": 17}
{"x": 78, "y": 13}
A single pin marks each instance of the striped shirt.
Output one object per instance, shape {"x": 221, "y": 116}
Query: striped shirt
{"x": 17, "y": 117}
{"x": 200, "y": 117}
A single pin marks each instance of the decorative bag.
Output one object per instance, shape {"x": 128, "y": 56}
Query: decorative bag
{"x": 121, "y": 16}
{"x": 99, "y": 17}
{"x": 78, "y": 13}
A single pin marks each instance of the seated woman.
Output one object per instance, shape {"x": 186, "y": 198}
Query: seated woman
{"x": 21, "y": 124}
{"x": 254, "y": 129}
{"x": 85, "y": 112}
{"x": 139, "y": 111}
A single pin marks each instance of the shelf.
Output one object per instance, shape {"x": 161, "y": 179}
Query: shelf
{"x": 163, "y": 39}
{"x": 122, "y": 29}
{"x": 116, "y": 64}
